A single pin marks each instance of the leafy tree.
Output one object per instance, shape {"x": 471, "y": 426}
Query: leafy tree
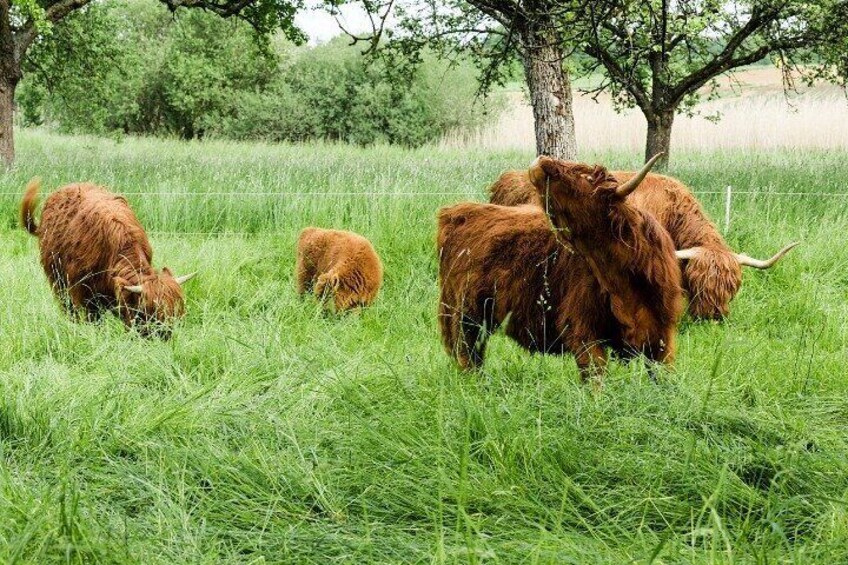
{"x": 206, "y": 65}
{"x": 494, "y": 32}
{"x": 85, "y": 72}
{"x": 658, "y": 54}
{"x": 24, "y": 22}
{"x": 128, "y": 66}
{"x": 346, "y": 98}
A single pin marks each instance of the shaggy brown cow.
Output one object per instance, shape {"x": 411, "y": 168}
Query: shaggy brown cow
{"x": 712, "y": 273}
{"x": 615, "y": 283}
{"x": 97, "y": 257}
{"x": 338, "y": 263}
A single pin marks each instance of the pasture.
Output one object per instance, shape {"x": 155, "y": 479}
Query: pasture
{"x": 267, "y": 431}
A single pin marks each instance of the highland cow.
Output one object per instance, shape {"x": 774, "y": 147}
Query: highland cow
{"x": 611, "y": 281}
{"x": 97, "y": 257}
{"x": 340, "y": 265}
{"x": 712, "y": 272}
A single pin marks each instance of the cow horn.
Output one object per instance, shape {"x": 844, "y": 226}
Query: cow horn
{"x": 185, "y": 278}
{"x": 631, "y": 185}
{"x": 764, "y": 264}
{"x": 689, "y": 253}
{"x": 135, "y": 289}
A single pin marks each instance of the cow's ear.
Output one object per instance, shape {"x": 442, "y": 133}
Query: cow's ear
{"x": 167, "y": 271}
{"x": 599, "y": 176}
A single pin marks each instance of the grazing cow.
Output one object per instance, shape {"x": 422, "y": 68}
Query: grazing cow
{"x": 340, "y": 264}
{"x": 712, "y": 272}
{"x": 97, "y": 257}
{"x": 614, "y": 283}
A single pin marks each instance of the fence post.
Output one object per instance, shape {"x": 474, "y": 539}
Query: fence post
{"x": 727, "y": 197}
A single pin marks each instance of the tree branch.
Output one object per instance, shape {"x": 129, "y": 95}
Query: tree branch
{"x": 758, "y": 20}
{"x": 225, "y": 9}
{"x": 617, "y": 71}
{"x": 698, "y": 79}
{"x": 54, "y": 13}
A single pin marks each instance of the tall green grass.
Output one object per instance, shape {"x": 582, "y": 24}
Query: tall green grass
{"x": 267, "y": 431}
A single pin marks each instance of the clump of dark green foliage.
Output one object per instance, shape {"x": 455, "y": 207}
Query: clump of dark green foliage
{"x": 131, "y": 67}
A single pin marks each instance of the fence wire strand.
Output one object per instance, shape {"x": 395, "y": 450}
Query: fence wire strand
{"x": 409, "y": 194}
{"x": 303, "y": 195}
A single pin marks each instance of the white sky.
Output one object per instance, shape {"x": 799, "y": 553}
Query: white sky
{"x": 321, "y": 26}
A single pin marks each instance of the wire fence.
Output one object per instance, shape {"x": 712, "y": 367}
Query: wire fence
{"x": 410, "y": 194}
{"x": 728, "y": 194}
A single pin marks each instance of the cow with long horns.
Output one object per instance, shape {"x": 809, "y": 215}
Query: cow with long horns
{"x": 97, "y": 257}
{"x": 712, "y": 271}
{"x": 611, "y": 280}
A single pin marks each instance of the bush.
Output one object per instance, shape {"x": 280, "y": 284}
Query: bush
{"x": 131, "y": 67}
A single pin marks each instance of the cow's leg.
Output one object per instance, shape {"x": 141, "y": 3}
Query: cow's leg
{"x": 85, "y": 304}
{"x": 95, "y": 306}
{"x": 326, "y": 285}
{"x": 462, "y": 336}
{"x": 59, "y": 284}
{"x": 305, "y": 274}
{"x": 584, "y": 340}
{"x": 661, "y": 353}
{"x": 344, "y": 299}
{"x": 474, "y": 336}
{"x": 449, "y": 326}
{"x": 76, "y": 302}
{"x": 592, "y": 363}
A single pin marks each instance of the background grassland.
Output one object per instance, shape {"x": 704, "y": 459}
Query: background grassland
{"x": 266, "y": 430}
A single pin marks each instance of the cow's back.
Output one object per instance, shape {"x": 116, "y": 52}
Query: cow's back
{"x": 84, "y": 230}
{"x": 507, "y": 262}
{"x": 513, "y": 188}
{"x": 330, "y": 248}
{"x": 674, "y": 205}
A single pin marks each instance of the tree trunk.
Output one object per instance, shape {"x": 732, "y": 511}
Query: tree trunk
{"x": 659, "y": 138}
{"x": 7, "y": 107}
{"x": 550, "y": 96}
{"x": 10, "y": 75}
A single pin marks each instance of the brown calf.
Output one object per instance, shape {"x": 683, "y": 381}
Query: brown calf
{"x": 338, "y": 263}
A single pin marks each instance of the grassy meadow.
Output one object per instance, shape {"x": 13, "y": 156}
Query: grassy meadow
{"x": 266, "y": 431}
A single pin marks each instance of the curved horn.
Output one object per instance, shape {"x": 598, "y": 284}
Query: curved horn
{"x": 689, "y": 253}
{"x": 628, "y": 187}
{"x": 185, "y": 278}
{"x": 764, "y": 264}
{"x": 135, "y": 289}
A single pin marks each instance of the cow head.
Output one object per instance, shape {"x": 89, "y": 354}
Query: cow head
{"x": 153, "y": 303}
{"x": 579, "y": 197}
{"x": 715, "y": 275}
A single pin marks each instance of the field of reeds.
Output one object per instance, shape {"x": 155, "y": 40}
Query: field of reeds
{"x": 751, "y": 111}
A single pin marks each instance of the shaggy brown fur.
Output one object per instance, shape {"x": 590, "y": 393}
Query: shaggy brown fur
{"x": 338, "y": 263}
{"x": 92, "y": 249}
{"x": 615, "y": 283}
{"x": 513, "y": 188}
{"x": 711, "y": 279}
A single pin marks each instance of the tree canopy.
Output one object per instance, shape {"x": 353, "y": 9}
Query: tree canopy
{"x": 23, "y": 22}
